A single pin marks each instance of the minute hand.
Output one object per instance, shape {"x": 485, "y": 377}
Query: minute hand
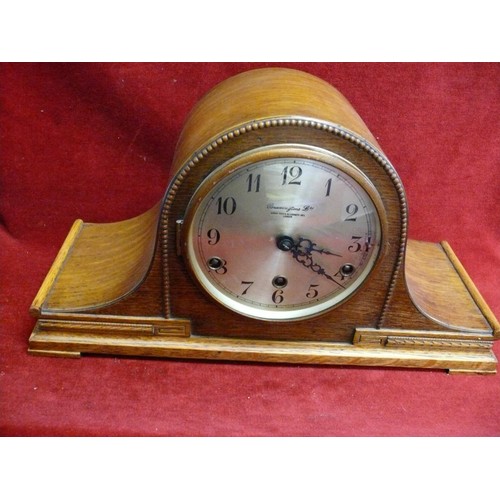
{"x": 302, "y": 254}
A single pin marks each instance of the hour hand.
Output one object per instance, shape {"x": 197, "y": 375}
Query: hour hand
{"x": 303, "y": 246}
{"x": 306, "y": 246}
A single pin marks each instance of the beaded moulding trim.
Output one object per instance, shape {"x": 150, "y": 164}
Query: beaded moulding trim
{"x": 284, "y": 122}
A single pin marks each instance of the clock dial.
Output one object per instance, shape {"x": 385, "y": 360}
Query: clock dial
{"x": 283, "y": 237}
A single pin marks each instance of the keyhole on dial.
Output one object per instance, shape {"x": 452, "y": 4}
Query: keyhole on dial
{"x": 347, "y": 269}
{"x": 280, "y": 282}
{"x": 215, "y": 263}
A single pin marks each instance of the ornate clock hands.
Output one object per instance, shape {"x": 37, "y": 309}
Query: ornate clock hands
{"x": 305, "y": 245}
{"x": 302, "y": 253}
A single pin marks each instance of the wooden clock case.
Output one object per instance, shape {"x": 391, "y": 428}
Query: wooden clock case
{"x": 123, "y": 288}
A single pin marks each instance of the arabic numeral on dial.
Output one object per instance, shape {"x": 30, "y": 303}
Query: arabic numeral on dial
{"x": 278, "y": 297}
{"x": 312, "y": 293}
{"x": 226, "y": 206}
{"x": 291, "y": 175}
{"x": 351, "y": 210}
{"x": 247, "y": 285}
{"x": 368, "y": 244}
{"x": 356, "y": 245}
{"x": 339, "y": 275}
{"x": 222, "y": 269}
{"x": 253, "y": 184}
{"x": 328, "y": 187}
{"x": 213, "y": 236}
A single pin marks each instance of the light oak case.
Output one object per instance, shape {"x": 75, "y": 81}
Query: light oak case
{"x": 123, "y": 288}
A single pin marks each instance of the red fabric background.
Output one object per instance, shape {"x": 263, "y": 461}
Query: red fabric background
{"x": 95, "y": 141}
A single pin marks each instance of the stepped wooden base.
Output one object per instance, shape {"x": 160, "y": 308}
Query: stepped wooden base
{"x": 465, "y": 349}
{"x": 459, "y": 349}
{"x": 409, "y": 349}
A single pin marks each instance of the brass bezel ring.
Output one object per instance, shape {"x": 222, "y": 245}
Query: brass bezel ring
{"x": 268, "y": 153}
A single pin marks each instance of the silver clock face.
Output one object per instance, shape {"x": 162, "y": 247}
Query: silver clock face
{"x": 283, "y": 237}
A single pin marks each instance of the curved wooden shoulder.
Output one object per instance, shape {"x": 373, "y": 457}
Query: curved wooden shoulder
{"x": 99, "y": 264}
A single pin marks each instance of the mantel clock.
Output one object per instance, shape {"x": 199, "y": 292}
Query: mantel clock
{"x": 282, "y": 237}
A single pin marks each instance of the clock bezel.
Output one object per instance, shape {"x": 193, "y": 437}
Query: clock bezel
{"x": 270, "y": 152}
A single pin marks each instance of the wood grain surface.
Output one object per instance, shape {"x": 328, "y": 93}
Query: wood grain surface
{"x": 123, "y": 288}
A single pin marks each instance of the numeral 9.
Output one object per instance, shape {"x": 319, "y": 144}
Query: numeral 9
{"x": 213, "y": 236}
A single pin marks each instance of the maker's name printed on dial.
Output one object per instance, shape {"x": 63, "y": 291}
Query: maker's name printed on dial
{"x": 289, "y": 211}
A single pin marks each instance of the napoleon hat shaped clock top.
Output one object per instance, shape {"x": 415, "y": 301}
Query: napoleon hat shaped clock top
{"x": 282, "y": 237}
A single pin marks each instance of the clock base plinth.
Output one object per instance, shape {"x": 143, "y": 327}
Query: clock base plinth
{"x": 120, "y": 330}
{"x": 385, "y": 348}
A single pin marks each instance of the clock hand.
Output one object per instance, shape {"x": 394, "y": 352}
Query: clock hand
{"x": 307, "y": 246}
{"x": 302, "y": 254}
{"x": 307, "y": 261}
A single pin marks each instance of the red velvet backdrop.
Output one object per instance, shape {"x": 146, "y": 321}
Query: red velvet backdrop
{"x": 95, "y": 141}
